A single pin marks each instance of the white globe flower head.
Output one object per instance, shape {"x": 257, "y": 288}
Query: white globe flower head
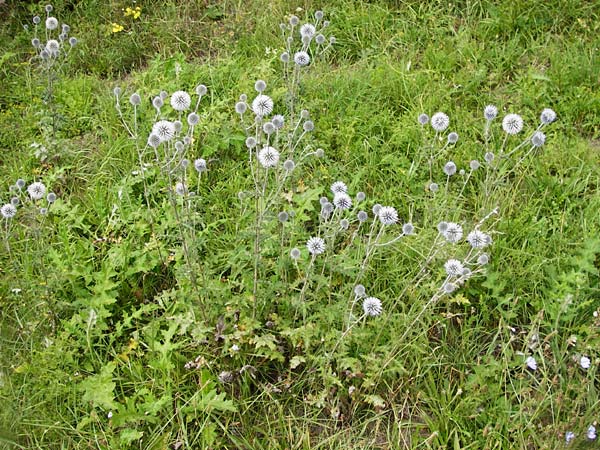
{"x": 268, "y": 157}
{"x": 538, "y": 139}
{"x": 388, "y": 215}
{"x": 490, "y": 112}
{"x": 453, "y": 232}
{"x": 512, "y": 124}
{"x": 478, "y": 239}
{"x": 440, "y": 121}
{"x": 262, "y": 105}
{"x": 454, "y": 268}
{"x": 450, "y": 168}
{"x": 200, "y": 165}
{"x": 531, "y": 363}
{"x": 423, "y": 119}
{"x": 372, "y": 306}
{"x": 53, "y": 47}
{"x": 339, "y": 187}
{"x": 180, "y": 189}
{"x": 164, "y": 129}
{"x": 315, "y": 245}
{"x": 585, "y": 362}
{"x": 181, "y": 101}
{"x": 548, "y": 116}
{"x": 342, "y": 201}
{"x": 308, "y": 29}
{"x": 8, "y": 211}
{"x": 51, "y": 23}
{"x": 301, "y": 58}
{"x": 36, "y": 190}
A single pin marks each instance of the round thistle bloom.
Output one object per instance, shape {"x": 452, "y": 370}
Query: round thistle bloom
{"x": 344, "y": 224}
{"x": 200, "y": 165}
{"x": 117, "y": 91}
{"x": 250, "y": 142}
{"x": 323, "y": 200}
{"x": 308, "y": 126}
{"x": 43, "y": 211}
{"x": 320, "y": 39}
{"x": 51, "y": 23}
{"x": 260, "y": 86}
{"x": 278, "y": 120}
{"x": 295, "y": 253}
{"x": 301, "y": 58}
{"x": 36, "y": 20}
{"x": 315, "y": 245}
{"x": 319, "y": 14}
{"x": 20, "y": 183}
{"x": 179, "y": 146}
{"x": 15, "y": 201}
{"x": 51, "y": 197}
{"x": 289, "y": 165}
{"x": 454, "y": 268}
{"x": 201, "y": 90}
{"x": 44, "y": 54}
{"x": 478, "y": 239}
{"x": 453, "y": 138}
{"x": 52, "y": 47}
{"x": 439, "y": 121}
{"x": 489, "y": 157}
{"x": 35, "y": 42}
{"x": 376, "y": 208}
{"x": 72, "y": 41}
{"x": 408, "y": 229}
{"x": 294, "y": 21}
{"x": 585, "y": 362}
{"x": 548, "y": 116}
{"x": 164, "y": 129}
{"x": 154, "y": 140}
{"x": 360, "y": 196}
{"x": 483, "y": 259}
{"x": 461, "y": 172}
{"x": 262, "y": 105}
{"x": 240, "y": 107}
{"x": 339, "y": 187}
{"x": 8, "y": 211}
{"x": 193, "y": 119}
{"x": 283, "y": 216}
{"x": 180, "y": 189}
{"x": 434, "y": 187}
{"x": 48, "y": 8}
{"x": 372, "y": 306}
{"x": 135, "y": 99}
{"x": 449, "y": 288}
{"x": 36, "y": 190}
{"x": 388, "y": 215}
{"x": 453, "y": 232}
{"x": 490, "y": 112}
{"x": 512, "y": 124}
{"x": 342, "y": 201}
{"x": 423, "y": 119}
{"x": 326, "y": 210}
{"x": 450, "y": 168}
{"x": 178, "y": 126}
{"x": 181, "y": 101}
{"x": 319, "y": 153}
{"x": 362, "y": 216}
{"x": 538, "y": 139}
{"x": 359, "y": 290}
{"x": 442, "y": 227}
{"x": 285, "y": 57}
{"x": 332, "y": 39}
{"x": 65, "y": 28}
{"x": 474, "y": 164}
{"x": 268, "y": 157}
{"x": 305, "y": 114}
{"x": 157, "y": 102}
{"x": 308, "y": 29}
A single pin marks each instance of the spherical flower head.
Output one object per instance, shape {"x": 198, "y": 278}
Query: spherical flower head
{"x": 376, "y": 208}
{"x": 323, "y": 200}
{"x": 591, "y": 433}
{"x": 319, "y": 15}
{"x": 278, "y": 120}
{"x": 359, "y": 290}
{"x": 478, "y": 239}
{"x": 72, "y": 41}
{"x": 52, "y": 47}
{"x": 294, "y": 21}
{"x": 193, "y": 119}
{"x": 344, "y": 224}
{"x": 157, "y": 102}
{"x": 260, "y": 86}
{"x": 474, "y": 164}
{"x": 408, "y": 229}
{"x": 289, "y": 165}
{"x": 548, "y": 116}
{"x": 135, "y": 99}
{"x": 320, "y": 153}
{"x": 250, "y": 142}
{"x": 307, "y": 30}
{"x": 327, "y": 209}
{"x": 285, "y": 57}
{"x": 490, "y": 112}
{"x": 339, "y": 187}
{"x": 164, "y": 129}
{"x": 453, "y": 138}
{"x": 185, "y": 163}
{"x": 423, "y": 119}
{"x": 483, "y": 259}
{"x": 20, "y": 183}
{"x": 179, "y": 146}
{"x": 180, "y": 189}
{"x": 301, "y": 58}
{"x": 531, "y": 363}
{"x": 283, "y": 216}
{"x": 585, "y": 362}
{"x": 262, "y": 105}
{"x": 342, "y": 201}
{"x": 453, "y": 232}
{"x": 269, "y": 128}
{"x": 200, "y": 165}
{"x": 268, "y": 157}
{"x": 181, "y": 101}
{"x": 308, "y": 126}
{"x": 569, "y": 436}
{"x": 538, "y": 139}
{"x": 51, "y": 197}
{"x": 117, "y": 91}
{"x": 489, "y": 157}
{"x": 315, "y": 245}
{"x": 154, "y": 140}
{"x": 43, "y": 211}
{"x": 8, "y": 211}
{"x": 362, "y": 216}
{"x": 36, "y": 20}
{"x": 15, "y": 201}
{"x": 332, "y": 39}
{"x": 450, "y": 168}
{"x": 51, "y": 23}
{"x": 240, "y": 107}
{"x": 65, "y": 28}
{"x": 48, "y": 8}
{"x": 434, "y": 187}
{"x": 512, "y": 124}
{"x": 320, "y": 39}
{"x": 372, "y": 306}
{"x": 178, "y": 125}
{"x": 462, "y": 172}
{"x": 442, "y": 227}
{"x": 36, "y": 190}
{"x": 439, "y": 121}
{"x": 454, "y": 268}
{"x": 295, "y": 253}
{"x": 35, "y": 42}
{"x": 388, "y": 215}
{"x": 201, "y": 90}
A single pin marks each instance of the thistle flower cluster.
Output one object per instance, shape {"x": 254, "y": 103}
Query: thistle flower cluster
{"x": 34, "y": 196}
{"x": 54, "y": 43}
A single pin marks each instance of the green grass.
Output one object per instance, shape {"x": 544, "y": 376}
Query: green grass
{"x": 451, "y": 377}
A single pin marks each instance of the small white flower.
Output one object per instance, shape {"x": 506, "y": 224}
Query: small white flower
{"x": 512, "y": 123}
{"x": 478, "y": 239}
{"x": 181, "y": 101}
{"x": 453, "y": 232}
{"x": 538, "y": 139}
{"x": 180, "y": 189}
{"x": 423, "y": 119}
{"x": 51, "y": 23}
{"x": 591, "y": 433}
{"x": 569, "y": 436}
{"x": 490, "y": 112}
{"x": 454, "y": 268}
{"x": 388, "y": 215}
{"x": 339, "y": 187}
{"x": 262, "y": 105}
{"x": 585, "y": 362}
{"x": 372, "y": 306}
{"x": 52, "y": 47}
{"x": 450, "y": 168}
{"x": 342, "y": 200}
{"x": 200, "y": 164}
{"x": 308, "y": 29}
{"x": 440, "y": 121}
{"x": 109, "y": 415}
{"x": 531, "y": 363}
{"x": 235, "y": 348}
{"x": 302, "y": 58}
{"x": 164, "y": 129}
{"x": 548, "y": 116}
{"x": 8, "y": 211}
{"x": 315, "y": 245}
{"x": 36, "y": 190}
{"x": 268, "y": 157}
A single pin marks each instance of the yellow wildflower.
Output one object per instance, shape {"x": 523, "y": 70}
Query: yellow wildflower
{"x": 116, "y": 27}
{"x": 133, "y": 12}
